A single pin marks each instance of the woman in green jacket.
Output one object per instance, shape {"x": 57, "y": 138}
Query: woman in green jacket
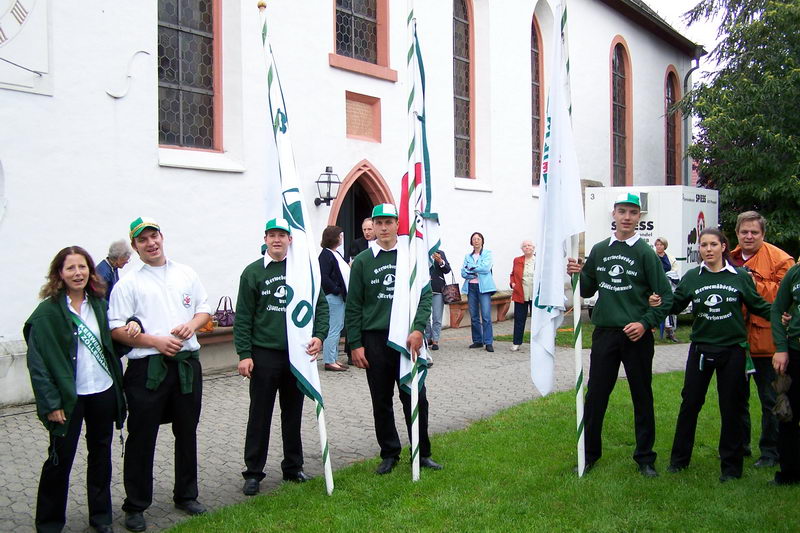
{"x": 717, "y": 291}
{"x": 76, "y": 377}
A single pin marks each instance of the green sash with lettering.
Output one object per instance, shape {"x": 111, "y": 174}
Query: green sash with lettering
{"x": 90, "y": 341}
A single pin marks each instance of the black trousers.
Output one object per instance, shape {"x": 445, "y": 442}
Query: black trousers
{"x": 764, "y": 376}
{"x": 610, "y": 347}
{"x": 146, "y": 410}
{"x": 99, "y": 411}
{"x": 731, "y": 388}
{"x": 382, "y": 375}
{"x": 272, "y": 374}
{"x": 789, "y": 432}
{"x": 521, "y": 311}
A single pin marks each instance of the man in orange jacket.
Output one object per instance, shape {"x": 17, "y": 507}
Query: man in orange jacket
{"x": 767, "y": 265}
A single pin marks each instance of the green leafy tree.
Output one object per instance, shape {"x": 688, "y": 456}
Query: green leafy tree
{"x": 748, "y": 146}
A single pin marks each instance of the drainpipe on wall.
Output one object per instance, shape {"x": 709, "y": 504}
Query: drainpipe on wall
{"x": 687, "y": 117}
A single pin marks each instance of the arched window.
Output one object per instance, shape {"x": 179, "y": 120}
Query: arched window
{"x": 462, "y": 90}
{"x": 672, "y": 137}
{"x": 536, "y": 103}
{"x": 620, "y": 116}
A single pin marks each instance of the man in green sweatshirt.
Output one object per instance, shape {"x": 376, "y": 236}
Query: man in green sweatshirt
{"x": 367, "y": 314}
{"x": 260, "y": 338}
{"x": 625, "y": 271}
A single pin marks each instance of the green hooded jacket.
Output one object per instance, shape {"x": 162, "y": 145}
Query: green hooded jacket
{"x": 52, "y": 355}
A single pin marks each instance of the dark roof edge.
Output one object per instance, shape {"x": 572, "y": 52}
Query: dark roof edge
{"x": 643, "y": 15}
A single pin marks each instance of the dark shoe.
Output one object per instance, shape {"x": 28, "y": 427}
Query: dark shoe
{"x": 334, "y": 367}
{"x": 297, "y": 477}
{"x": 349, "y": 361}
{"x": 191, "y": 507}
{"x": 427, "y": 462}
{"x": 748, "y": 452}
{"x": 724, "y": 478}
{"x": 489, "y": 348}
{"x": 674, "y": 469}
{"x": 104, "y": 528}
{"x": 135, "y": 522}
{"x": 251, "y": 487}
{"x": 765, "y": 462}
{"x": 648, "y": 471}
{"x": 476, "y": 345}
{"x": 387, "y": 465}
{"x": 434, "y": 346}
{"x": 782, "y": 480}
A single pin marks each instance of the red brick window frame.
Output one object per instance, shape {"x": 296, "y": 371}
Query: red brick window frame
{"x": 190, "y": 75}
{"x": 363, "y": 117}
{"x": 537, "y": 102}
{"x": 621, "y": 77}
{"x": 672, "y": 129}
{"x": 357, "y": 15}
{"x": 464, "y": 89}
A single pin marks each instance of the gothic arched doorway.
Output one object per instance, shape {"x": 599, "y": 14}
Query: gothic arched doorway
{"x": 361, "y": 190}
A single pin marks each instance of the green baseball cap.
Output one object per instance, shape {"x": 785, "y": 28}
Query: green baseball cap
{"x": 384, "y": 210}
{"x": 142, "y": 223}
{"x": 278, "y": 223}
{"x": 628, "y": 198}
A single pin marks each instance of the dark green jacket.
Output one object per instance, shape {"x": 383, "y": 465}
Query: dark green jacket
{"x": 788, "y": 299}
{"x": 52, "y": 355}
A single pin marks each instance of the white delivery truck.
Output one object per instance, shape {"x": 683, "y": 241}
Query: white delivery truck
{"x": 673, "y": 212}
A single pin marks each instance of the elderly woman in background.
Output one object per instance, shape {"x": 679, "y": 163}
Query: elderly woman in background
{"x": 76, "y": 377}
{"x": 335, "y": 274}
{"x": 671, "y": 269}
{"x": 479, "y": 287}
{"x": 522, "y": 290}
{"x": 119, "y": 253}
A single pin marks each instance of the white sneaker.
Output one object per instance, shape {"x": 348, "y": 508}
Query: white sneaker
{"x": 515, "y": 347}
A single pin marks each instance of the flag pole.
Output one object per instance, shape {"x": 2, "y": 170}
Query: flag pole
{"x": 578, "y": 338}
{"x": 323, "y": 441}
{"x": 415, "y": 422}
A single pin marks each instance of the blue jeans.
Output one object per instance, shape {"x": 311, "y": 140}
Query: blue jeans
{"x": 330, "y": 348}
{"x": 480, "y": 312}
{"x": 434, "y": 327}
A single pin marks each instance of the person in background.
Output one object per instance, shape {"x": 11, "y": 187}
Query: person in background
{"x": 717, "y": 291}
{"x": 362, "y": 243}
{"x": 76, "y": 378}
{"x": 479, "y": 287}
{"x": 260, "y": 339}
{"x": 522, "y": 290}
{"x": 787, "y": 361}
{"x": 671, "y": 270}
{"x": 119, "y": 253}
{"x": 767, "y": 264}
{"x": 335, "y": 274}
{"x": 439, "y": 267}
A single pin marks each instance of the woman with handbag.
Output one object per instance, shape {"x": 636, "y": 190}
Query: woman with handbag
{"x": 717, "y": 291}
{"x": 335, "y": 273}
{"x": 439, "y": 267}
{"x": 522, "y": 290}
{"x": 76, "y": 377}
{"x": 479, "y": 287}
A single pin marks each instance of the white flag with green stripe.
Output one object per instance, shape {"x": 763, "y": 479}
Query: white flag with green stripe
{"x": 303, "y": 282}
{"x": 560, "y": 214}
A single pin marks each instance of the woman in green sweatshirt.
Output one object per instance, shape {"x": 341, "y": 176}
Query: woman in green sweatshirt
{"x": 717, "y": 291}
{"x": 76, "y": 378}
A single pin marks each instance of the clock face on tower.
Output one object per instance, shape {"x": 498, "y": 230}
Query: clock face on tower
{"x": 25, "y": 46}
{"x": 13, "y": 16}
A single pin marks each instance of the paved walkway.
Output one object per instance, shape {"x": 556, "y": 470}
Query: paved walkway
{"x": 463, "y": 386}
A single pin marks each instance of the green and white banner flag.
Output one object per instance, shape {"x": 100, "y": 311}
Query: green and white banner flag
{"x": 285, "y": 199}
{"x": 560, "y": 214}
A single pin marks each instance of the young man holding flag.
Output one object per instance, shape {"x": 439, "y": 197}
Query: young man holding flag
{"x": 367, "y": 317}
{"x": 625, "y": 271}
{"x": 260, "y": 337}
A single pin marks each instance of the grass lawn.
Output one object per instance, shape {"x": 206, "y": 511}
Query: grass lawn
{"x": 513, "y": 472}
{"x": 564, "y": 335}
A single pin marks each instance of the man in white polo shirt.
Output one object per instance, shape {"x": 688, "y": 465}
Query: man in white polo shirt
{"x": 163, "y": 381}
